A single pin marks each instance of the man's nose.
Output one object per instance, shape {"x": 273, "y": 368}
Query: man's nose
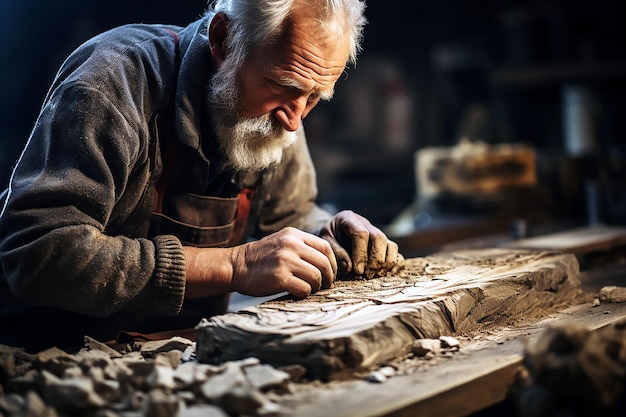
{"x": 291, "y": 113}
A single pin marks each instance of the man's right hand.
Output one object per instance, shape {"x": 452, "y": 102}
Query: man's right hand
{"x": 289, "y": 260}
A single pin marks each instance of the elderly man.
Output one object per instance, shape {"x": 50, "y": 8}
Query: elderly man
{"x": 158, "y": 153}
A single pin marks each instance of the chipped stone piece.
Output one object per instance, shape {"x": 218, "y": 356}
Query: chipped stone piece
{"x": 265, "y": 376}
{"x": 423, "y": 346}
{"x": 161, "y": 377}
{"x": 296, "y": 371}
{"x": 94, "y": 345}
{"x": 75, "y": 393}
{"x": 189, "y": 353}
{"x": 94, "y": 358}
{"x": 140, "y": 368}
{"x": 73, "y": 372}
{"x": 250, "y": 361}
{"x": 204, "y": 410}
{"x": 242, "y": 400}
{"x": 134, "y": 400}
{"x": 219, "y": 385}
{"x": 12, "y": 404}
{"x": 108, "y": 390}
{"x": 151, "y": 348}
{"x": 448, "y": 342}
{"x": 376, "y": 376}
{"x": 388, "y": 371}
{"x": 161, "y": 404}
{"x": 612, "y": 294}
{"x": 34, "y": 406}
{"x": 55, "y": 360}
{"x": 171, "y": 359}
{"x": 596, "y": 302}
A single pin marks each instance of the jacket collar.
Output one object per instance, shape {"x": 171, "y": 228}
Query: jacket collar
{"x": 195, "y": 70}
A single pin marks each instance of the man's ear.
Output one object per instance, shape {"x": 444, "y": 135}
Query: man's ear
{"x": 217, "y": 36}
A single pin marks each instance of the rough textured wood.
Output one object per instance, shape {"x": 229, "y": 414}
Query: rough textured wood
{"x": 358, "y": 325}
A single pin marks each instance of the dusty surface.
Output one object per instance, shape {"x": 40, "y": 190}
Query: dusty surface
{"x": 359, "y": 325}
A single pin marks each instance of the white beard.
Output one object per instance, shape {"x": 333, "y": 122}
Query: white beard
{"x": 249, "y": 143}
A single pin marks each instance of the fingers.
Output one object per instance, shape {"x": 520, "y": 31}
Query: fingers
{"x": 344, "y": 263}
{"x": 319, "y": 262}
{"x": 290, "y": 260}
{"x": 372, "y": 254}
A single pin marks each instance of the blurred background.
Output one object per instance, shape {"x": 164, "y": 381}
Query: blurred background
{"x": 515, "y": 110}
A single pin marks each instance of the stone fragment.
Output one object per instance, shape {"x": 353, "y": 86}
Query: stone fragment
{"x": 189, "y": 353}
{"x": 296, "y": 371}
{"x": 203, "y": 410}
{"x": 388, "y": 371}
{"x": 161, "y": 377}
{"x": 140, "y": 368}
{"x": 188, "y": 397}
{"x": 35, "y": 407}
{"x": 73, "y": 372}
{"x": 421, "y": 347}
{"x": 612, "y": 294}
{"x": 171, "y": 359}
{"x": 161, "y": 404}
{"x": 14, "y": 362}
{"x": 219, "y": 385}
{"x": 449, "y": 343}
{"x": 118, "y": 371}
{"x": 55, "y": 360}
{"x": 376, "y": 376}
{"x": 108, "y": 390}
{"x": 95, "y": 358}
{"x": 94, "y": 345}
{"x": 7, "y": 367}
{"x": 134, "y": 400}
{"x": 265, "y": 377}
{"x": 11, "y": 404}
{"x": 250, "y": 361}
{"x": 24, "y": 383}
{"x": 242, "y": 400}
{"x": 596, "y": 302}
{"x": 151, "y": 348}
{"x": 68, "y": 394}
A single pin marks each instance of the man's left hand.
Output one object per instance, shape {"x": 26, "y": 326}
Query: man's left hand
{"x": 360, "y": 248}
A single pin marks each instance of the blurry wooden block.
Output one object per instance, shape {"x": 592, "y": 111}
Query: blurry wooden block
{"x": 358, "y": 325}
{"x": 474, "y": 168}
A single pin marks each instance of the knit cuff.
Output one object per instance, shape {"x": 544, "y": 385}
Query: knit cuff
{"x": 169, "y": 274}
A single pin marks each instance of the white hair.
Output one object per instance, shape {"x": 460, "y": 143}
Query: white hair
{"x": 256, "y": 23}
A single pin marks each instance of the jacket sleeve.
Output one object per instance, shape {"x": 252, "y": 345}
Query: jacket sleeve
{"x": 53, "y": 245}
{"x": 292, "y": 193}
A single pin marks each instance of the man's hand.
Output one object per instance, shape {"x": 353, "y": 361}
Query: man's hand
{"x": 360, "y": 247}
{"x": 289, "y": 260}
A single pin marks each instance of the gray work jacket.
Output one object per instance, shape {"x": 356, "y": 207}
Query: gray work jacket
{"x": 73, "y": 232}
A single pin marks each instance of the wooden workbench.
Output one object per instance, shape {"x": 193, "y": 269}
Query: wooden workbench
{"x": 479, "y": 375}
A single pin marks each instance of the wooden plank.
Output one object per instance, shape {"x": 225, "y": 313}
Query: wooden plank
{"x": 358, "y": 325}
{"x": 596, "y": 238}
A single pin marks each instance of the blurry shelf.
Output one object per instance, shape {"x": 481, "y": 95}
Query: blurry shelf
{"x": 557, "y": 74}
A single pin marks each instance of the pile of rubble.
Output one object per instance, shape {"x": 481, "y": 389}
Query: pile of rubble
{"x": 150, "y": 379}
{"x": 570, "y": 370}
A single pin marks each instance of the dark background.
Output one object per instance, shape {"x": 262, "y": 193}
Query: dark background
{"x": 430, "y": 73}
